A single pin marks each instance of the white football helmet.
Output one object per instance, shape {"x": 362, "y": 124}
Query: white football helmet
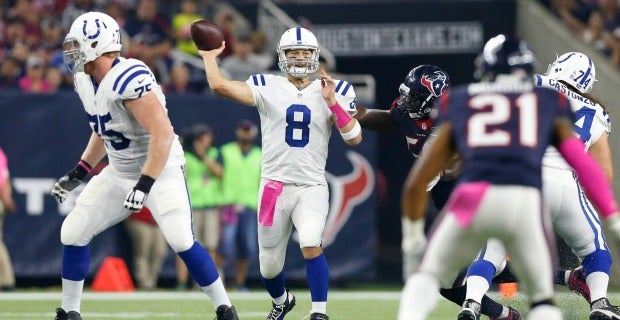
{"x": 91, "y": 35}
{"x": 294, "y": 39}
{"x": 576, "y": 69}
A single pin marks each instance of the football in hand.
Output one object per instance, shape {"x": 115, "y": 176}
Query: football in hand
{"x": 206, "y": 35}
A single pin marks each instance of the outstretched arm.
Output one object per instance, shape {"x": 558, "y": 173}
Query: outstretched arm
{"x": 236, "y": 90}
{"x": 375, "y": 120}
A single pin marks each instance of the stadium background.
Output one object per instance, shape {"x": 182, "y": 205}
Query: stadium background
{"x": 375, "y": 42}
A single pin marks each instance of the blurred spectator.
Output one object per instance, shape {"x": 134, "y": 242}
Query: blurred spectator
{"x": 226, "y": 21}
{"x": 149, "y": 41}
{"x": 116, "y": 10}
{"x": 265, "y": 56}
{"x": 243, "y": 63}
{"x": 10, "y": 72}
{"x": 74, "y": 10}
{"x": 241, "y": 161}
{"x": 24, "y": 10}
{"x": 179, "y": 80}
{"x": 611, "y": 16}
{"x": 203, "y": 174}
{"x": 52, "y": 33}
{"x": 34, "y": 81}
{"x": 55, "y": 77}
{"x": 181, "y": 23}
{"x": 595, "y": 34}
{"x": 149, "y": 248}
{"x": 14, "y": 33}
{"x": 574, "y": 15}
{"x": 7, "y": 204}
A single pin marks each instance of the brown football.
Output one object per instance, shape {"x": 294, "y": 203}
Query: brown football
{"x": 206, "y": 35}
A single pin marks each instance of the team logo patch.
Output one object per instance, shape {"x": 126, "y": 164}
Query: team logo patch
{"x": 435, "y": 82}
{"x": 91, "y": 36}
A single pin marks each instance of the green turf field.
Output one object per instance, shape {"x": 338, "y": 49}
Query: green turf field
{"x": 343, "y": 305}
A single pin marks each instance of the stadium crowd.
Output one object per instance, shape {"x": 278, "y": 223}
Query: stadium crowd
{"x": 596, "y": 22}
{"x": 154, "y": 31}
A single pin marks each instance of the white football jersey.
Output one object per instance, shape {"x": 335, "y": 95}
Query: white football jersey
{"x": 296, "y": 126}
{"x": 591, "y": 120}
{"x": 125, "y": 140}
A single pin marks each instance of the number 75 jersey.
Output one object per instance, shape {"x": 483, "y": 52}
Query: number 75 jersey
{"x": 295, "y": 126}
{"x": 125, "y": 140}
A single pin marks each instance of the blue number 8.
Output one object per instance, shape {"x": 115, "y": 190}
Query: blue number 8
{"x": 297, "y": 133}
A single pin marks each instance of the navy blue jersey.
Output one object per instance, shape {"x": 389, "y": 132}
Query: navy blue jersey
{"x": 416, "y": 131}
{"x": 502, "y": 129}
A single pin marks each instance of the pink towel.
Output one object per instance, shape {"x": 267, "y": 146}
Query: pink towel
{"x": 271, "y": 191}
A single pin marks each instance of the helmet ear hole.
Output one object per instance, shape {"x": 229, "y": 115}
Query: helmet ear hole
{"x": 94, "y": 44}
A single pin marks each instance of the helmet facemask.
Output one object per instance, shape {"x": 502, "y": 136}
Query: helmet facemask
{"x": 91, "y": 35}
{"x": 298, "y": 39}
{"x": 417, "y": 106}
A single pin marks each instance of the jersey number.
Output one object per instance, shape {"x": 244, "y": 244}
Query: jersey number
{"x": 584, "y": 117}
{"x": 482, "y": 126}
{"x": 297, "y": 132}
{"x": 118, "y": 140}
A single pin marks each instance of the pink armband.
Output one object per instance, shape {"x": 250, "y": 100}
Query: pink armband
{"x": 342, "y": 117}
{"x": 84, "y": 165}
{"x": 590, "y": 176}
{"x": 4, "y": 169}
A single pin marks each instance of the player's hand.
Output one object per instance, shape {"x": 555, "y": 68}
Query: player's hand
{"x": 212, "y": 54}
{"x": 413, "y": 245}
{"x": 613, "y": 224}
{"x": 70, "y": 181}
{"x": 328, "y": 88}
{"x": 134, "y": 201}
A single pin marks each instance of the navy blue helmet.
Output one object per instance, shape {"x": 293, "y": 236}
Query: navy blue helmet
{"x": 422, "y": 85}
{"x": 504, "y": 55}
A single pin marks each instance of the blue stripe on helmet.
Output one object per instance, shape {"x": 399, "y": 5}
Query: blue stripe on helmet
{"x": 587, "y": 74}
{"x": 262, "y": 79}
{"x": 570, "y": 55}
{"x": 255, "y": 80}
{"x": 298, "y": 35}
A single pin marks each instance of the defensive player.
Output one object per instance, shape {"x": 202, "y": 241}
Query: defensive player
{"x": 413, "y": 112}
{"x": 126, "y": 110}
{"x": 296, "y": 116}
{"x": 574, "y": 219}
{"x": 501, "y": 127}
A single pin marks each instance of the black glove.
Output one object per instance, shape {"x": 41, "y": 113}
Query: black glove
{"x": 134, "y": 201}
{"x": 70, "y": 181}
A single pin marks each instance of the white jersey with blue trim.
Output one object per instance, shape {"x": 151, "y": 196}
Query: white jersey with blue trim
{"x": 295, "y": 126}
{"x": 125, "y": 140}
{"x": 591, "y": 120}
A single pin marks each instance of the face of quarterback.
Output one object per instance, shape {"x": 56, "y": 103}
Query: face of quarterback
{"x": 299, "y": 57}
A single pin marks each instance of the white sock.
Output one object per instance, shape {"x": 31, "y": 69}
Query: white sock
{"x": 419, "y": 297}
{"x": 545, "y": 312}
{"x": 505, "y": 312}
{"x": 71, "y": 295}
{"x": 566, "y": 276}
{"x": 477, "y": 287}
{"x": 597, "y": 282}
{"x": 319, "y": 306}
{"x": 217, "y": 293}
{"x": 281, "y": 299}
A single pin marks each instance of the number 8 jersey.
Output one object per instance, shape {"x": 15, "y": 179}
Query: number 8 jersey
{"x": 295, "y": 126}
{"x": 125, "y": 140}
{"x": 591, "y": 120}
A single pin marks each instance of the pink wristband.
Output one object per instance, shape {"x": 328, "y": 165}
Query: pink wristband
{"x": 590, "y": 176}
{"x": 342, "y": 117}
{"x": 84, "y": 165}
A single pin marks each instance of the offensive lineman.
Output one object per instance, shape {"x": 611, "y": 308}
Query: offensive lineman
{"x": 296, "y": 117}
{"x": 127, "y": 113}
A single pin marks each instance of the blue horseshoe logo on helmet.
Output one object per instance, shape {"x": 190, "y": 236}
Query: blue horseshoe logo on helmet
{"x": 94, "y": 36}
